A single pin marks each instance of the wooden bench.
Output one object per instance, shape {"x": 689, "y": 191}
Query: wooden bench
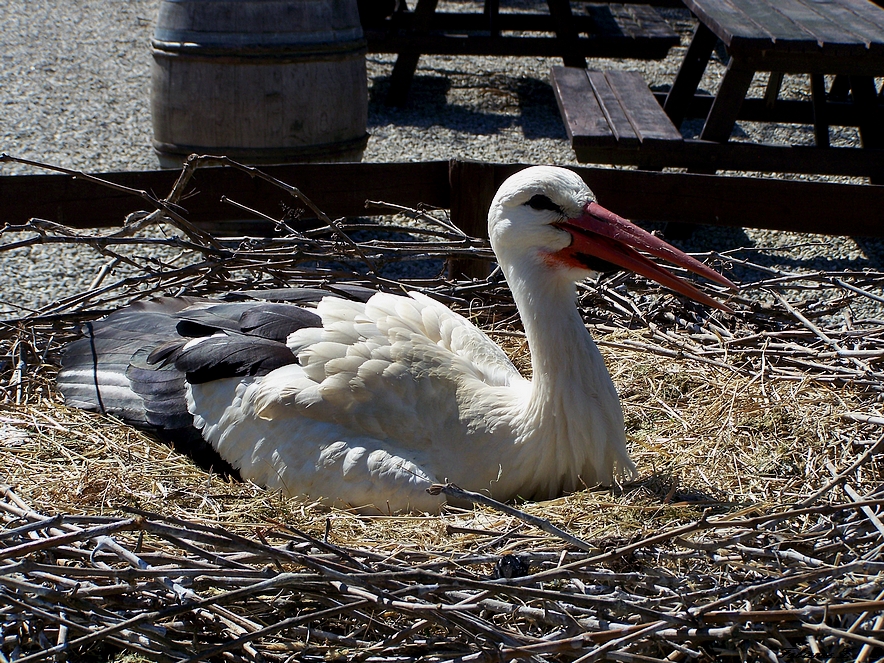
{"x": 613, "y": 117}
{"x": 612, "y": 30}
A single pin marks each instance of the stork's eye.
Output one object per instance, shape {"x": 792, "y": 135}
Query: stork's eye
{"x": 540, "y": 201}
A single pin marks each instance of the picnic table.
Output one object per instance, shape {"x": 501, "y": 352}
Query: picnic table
{"x": 613, "y": 117}
{"x": 603, "y": 29}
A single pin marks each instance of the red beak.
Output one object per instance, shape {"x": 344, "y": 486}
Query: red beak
{"x": 601, "y": 233}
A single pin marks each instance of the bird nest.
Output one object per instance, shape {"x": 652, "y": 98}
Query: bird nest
{"x": 752, "y": 532}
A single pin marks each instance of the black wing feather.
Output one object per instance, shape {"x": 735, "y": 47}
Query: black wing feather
{"x": 232, "y": 355}
{"x": 276, "y": 321}
{"x": 135, "y": 363}
{"x": 357, "y": 293}
{"x": 266, "y": 319}
{"x": 210, "y": 317}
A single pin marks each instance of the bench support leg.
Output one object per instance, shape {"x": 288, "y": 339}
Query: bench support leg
{"x": 406, "y": 63}
{"x": 689, "y": 74}
{"x": 871, "y": 117}
{"x": 723, "y": 114}
{"x": 492, "y": 15}
{"x": 772, "y": 92}
{"x": 566, "y": 33}
{"x": 818, "y": 99}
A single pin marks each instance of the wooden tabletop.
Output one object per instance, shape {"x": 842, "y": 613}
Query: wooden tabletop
{"x": 813, "y": 36}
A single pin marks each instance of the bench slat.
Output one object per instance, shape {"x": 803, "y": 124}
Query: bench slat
{"x": 638, "y": 21}
{"x": 584, "y": 119}
{"x": 649, "y": 122}
{"x": 613, "y": 110}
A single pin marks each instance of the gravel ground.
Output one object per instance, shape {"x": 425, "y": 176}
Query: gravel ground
{"x": 75, "y": 85}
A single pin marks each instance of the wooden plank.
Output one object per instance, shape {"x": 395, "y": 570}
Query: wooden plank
{"x": 730, "y": 22}
{"x": 791, "y": 27}
{"x": 634, "y": 20}
{"x": 871, "y": 12}
{"x": 790, "y": 21}
{"x": 753, "y": 109}
{"x": 826, "y": 31}
{"x": 644, "y": 34}
{"x": 752, "y": 157}
{"x": 613, "y": 111}
{"x": 797, "y": 206}
{"x": 491, "y": 13}
{"x": 339, "y": 189}
{"x": 772, "y": 91}
{"x": 473, "y": 185}
{"x": 788, "y": 62}
{"x": 678, "y": 197}
{"x": 463, "y": 22}
{"x": 605, "y": 46}
{"x": 580, "y": 110}
{"x": 628, "y": 21}
{"x": 865, "y": 22}
{"x": 651, "y": 125}
{"x": 809, "y": 207}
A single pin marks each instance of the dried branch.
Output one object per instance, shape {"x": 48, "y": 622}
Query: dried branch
{"x": 458, "y": 493}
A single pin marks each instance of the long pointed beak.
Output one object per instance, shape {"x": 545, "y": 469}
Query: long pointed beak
{"x": 601, "y": 233}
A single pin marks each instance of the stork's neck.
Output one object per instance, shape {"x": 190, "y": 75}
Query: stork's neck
{"x": 573, "y": 424}
{"x": 564, "y": 359}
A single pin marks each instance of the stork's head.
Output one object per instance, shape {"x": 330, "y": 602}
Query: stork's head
{"x": 547, "y": 217}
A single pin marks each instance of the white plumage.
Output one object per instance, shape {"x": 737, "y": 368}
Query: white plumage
{"x": 390, "y": 395}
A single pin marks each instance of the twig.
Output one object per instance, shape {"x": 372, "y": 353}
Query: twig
{"x": 451, "y": 490}
{"x": 183, "y": 224}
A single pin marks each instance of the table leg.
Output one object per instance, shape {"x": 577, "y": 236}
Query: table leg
{"x": 871, "y": 118}
{"x": 865, "y": 98}
{"x": 406, "y": 63}
{"x": 840, "y": 88}
{"x": 681, "y": 94}
{"x": 566, "y": 33}
{"x": 492, "y": 15}
{"x": 726, "y": 106}
{"x": 689, "y": 74}
{"x": 818, "y": 99}
{"x": 772, "y": 92}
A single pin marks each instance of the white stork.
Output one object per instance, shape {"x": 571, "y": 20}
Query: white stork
{"x": 370, "y": 402}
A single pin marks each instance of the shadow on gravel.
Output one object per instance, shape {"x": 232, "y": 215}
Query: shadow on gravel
{"x": 428, "y": 106}
{"x": 873, "y": 248}
{"x": 538, "y": 115}
{"x": 426, "y": 92}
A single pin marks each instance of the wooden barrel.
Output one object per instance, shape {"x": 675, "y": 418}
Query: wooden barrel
{"x": 261, "y": 81}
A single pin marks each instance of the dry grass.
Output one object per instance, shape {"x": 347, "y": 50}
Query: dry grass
{"x": 751, "y": 534}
